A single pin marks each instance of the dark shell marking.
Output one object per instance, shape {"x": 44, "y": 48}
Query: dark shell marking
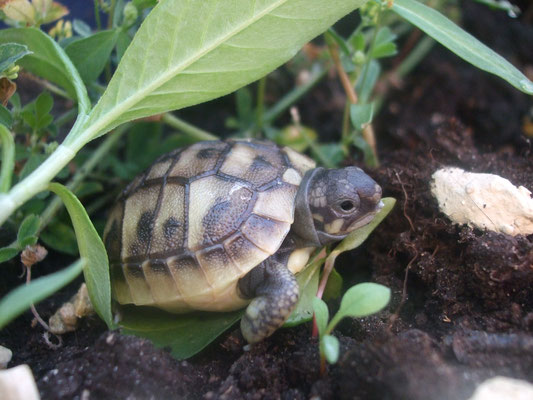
{"x": 198, "y": 219}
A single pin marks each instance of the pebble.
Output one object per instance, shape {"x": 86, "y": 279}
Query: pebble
{"x": 5, "y": 357}
{"x": 17, "y": 383}
{"x": 483, "y": 201}
{"x": 501, "y": 387}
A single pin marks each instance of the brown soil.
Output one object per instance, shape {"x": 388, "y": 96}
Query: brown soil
{"x": 462, "y": 305}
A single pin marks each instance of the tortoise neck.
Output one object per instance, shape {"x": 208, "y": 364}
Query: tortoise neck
{"x": 304, "y": 225}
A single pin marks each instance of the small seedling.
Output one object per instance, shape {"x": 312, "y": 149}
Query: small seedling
{"x": 359, "y": 301}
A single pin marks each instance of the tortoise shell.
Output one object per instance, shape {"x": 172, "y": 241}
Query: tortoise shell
{"x": 187, "y": 229}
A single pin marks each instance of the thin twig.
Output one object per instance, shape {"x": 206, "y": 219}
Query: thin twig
{"x": 406, "y": 198}
{"x": 396, "y": 314}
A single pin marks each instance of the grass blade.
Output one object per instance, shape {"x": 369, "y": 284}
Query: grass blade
{"x": 460, "y": 42}
{"x": 21, "y": 298}
{"x": 96, "y": 270}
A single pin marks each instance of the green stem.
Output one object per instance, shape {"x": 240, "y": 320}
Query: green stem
{"x": 186, "y": 128}
{"x": 411, "y": 61}
{"x": 66, "y": 117}
{"x": 8, "y": 158}
{"x": 371, "y": 49}
{"x": 260, "y": 103}
{"x": 293, "y": 96}
{"x": 107, "y": 144}
{"x": 415, "y": 56}
{"x": 97, "y": 16}
{"x": 345, "y": 123}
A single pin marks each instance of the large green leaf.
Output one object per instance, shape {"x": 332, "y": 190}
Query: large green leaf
{"x": 188, "y": 52}
{"x": 21, "y": 298}
{"x": 460, "y": 42}
{"x": 92, "y": 249}
{"x": 90, "y": 54}
{"x": 49, "y": 61}
{"x": 185, "y": 334}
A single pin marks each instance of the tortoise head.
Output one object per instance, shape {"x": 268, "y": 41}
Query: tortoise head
{"x": 331, "y": 203}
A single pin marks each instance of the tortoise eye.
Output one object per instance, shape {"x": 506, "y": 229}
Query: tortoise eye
{"x": 347, "y": 205}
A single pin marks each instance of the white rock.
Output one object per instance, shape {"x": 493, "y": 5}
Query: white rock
{"x": 484, "y": 201}
{"x": 5, "y": 357}
{"x": 18, "y": 384}
{"x": 503, "y": 388}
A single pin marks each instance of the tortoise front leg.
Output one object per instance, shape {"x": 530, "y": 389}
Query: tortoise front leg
{"x": 274, "y": 291}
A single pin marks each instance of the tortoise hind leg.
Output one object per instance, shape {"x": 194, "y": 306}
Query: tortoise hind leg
{"x": 275, "y": 293}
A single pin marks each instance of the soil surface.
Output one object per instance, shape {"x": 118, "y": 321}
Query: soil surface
{"x": 462, "y": 304}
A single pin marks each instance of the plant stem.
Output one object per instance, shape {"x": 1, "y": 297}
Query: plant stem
{"x": 260, "y": 103}
{"x": 186, "y": 128}
{"x": 66, "y": 117}
{"x": 293, "y": 96}
{"x": 107, "y": 144}
{"x": 97, "y": 16}
{"x": 8, "y": 158}
{"x": 371, "y": 48}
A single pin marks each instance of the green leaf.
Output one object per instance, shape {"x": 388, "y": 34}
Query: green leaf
{"x": 368, "y": 153}
{"x": 185, "y": 334}
{"x": 8, "y": 158}
{"x": 10, "y": 53}
{"x": 7, "y": 253}
{"x": 321, "y": 315}
{"x": 81, "y": 28}
{"x": 60, "y": 237}
{"x": 384, "y": 50}
{"x": 88, "y": 188}
{"x": 371, "y": 77}
{"x": 384, "y": 35}
{"x": 361, "y": 115}
{"x": 333, "y": 288}
{"x": 329, "y": 346}
{"x": 142, "y": 4}
{"x": 329, "y": 154}
{"x": 123, "y": 41}
{"x": 358, "y": 42}
{"x": 28, "y": 241}
{"x": 28, "y": 228}
{"x": 21, "y": 298}
{"x": 308, "y": 284}
{"x": 363, "y": 299}
{"x": 5, "y": 116}
{"x": 188, "y": 52}
{"x": 90, "y": 54}
{"x": 49, "y": 61}
{"x": 92, "y": 249}
{"x": 43, "y": 104}
{"x": 460, "y": 42}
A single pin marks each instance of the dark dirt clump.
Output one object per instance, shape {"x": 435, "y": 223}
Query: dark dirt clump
{"x": 462, "y": 305}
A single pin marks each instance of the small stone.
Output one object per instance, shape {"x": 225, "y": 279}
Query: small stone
{"x": 484, "y": 201}
{"x": 18, "y": 384}
{"x": 5, "y": 357}
{"x": 502, "y": 387}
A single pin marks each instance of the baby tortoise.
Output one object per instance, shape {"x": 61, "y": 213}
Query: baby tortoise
{"x": 224, "y": 224}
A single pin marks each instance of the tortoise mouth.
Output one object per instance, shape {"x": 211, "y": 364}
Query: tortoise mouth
{"x": 367, "y": 218}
